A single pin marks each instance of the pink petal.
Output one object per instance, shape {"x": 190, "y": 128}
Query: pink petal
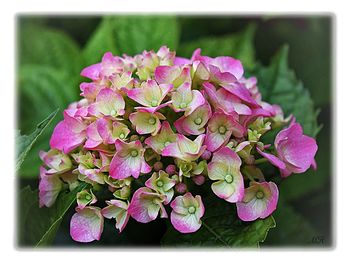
{"x": 179, "y": 61}
{"x": 50, "y": 186}
{"x": 185, "y": 224}
{"x": 68, "y": 134}
{"x": 273, "y": 159}
{"x": 229, "y": 64}
{"x": 86, "y": 225}
{"x": 92, "y": 72}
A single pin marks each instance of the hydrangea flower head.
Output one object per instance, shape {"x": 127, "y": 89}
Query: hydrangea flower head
{"x": 152, "y": 130}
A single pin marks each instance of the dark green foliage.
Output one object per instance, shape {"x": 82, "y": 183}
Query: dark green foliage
{"x": 38, "y": 226}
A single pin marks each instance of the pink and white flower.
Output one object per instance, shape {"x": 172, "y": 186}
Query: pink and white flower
{"x": 68, "y": 134}
{"x": 146, "y": 122}
{"x": 128, "y": 160}
{"x": 119, "y": 211}
{"x": 161, "y": 183}
{"x": 145, "y": 205}
{"x": 50, "y": 186}
{"x": 187, "y": 213}
{"x": 57, "y": 161}
{"x": 185, "y": 99}
{"x": 150, "y": 95}
{"x": 185, "y": 149}
{"x": 295, "y": 151}
{"x": 260, "y": 200}
{"x": 165, "y": 137}
{"x": 194, "y": 123}
{"x": 174, "y": 75}
{"x": 220, "y": 129}
{"x": 225, "y": 170}
{"x": 108, "y": 103}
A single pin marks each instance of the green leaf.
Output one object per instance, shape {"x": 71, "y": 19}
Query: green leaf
{"x": 239, "y": 46}
{"x": 45, "y": 46}
{"x": 292, "y": 230}
{"x": 131, "y": 35}
{"x": 25, "y": 142}
{"x": 38, "y": 226}
{"x": 221, "y": 228}
{"x": 42, "y": 89}
{"x": 279, "y": 85}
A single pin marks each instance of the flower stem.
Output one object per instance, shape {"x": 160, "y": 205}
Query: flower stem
{"x": 261, "y": 160}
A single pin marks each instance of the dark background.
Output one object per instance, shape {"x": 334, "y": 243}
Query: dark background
{"x": 307, "y": 217}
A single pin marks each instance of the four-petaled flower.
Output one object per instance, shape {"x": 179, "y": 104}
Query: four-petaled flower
{"x": 128, "y": 160}
{"x": 220, "y": 128}
{"x": 119, "y": 210}
{"x": 225, "y": 170}
{"x": 146, "y": 204}
{"x": 146, "y": 122}
{"x": 260, "y": 200}
{"x": 185, "y": 149}
{"x": 187, "y": 213}
{"x": 161, "y": 183}
{"x": 150, "y": 95}
{"x": 108, "y": 103}
{"x": 185, "y": 99}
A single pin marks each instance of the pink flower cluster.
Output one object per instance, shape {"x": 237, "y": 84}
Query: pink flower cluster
{"x": 152, "y": 126}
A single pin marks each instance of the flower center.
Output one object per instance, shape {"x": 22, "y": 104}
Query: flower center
{"x": 154, "y": 103}
{"x": 166, "y": 143}
{"x": 229, "y": 178}
{"x": 198, "y": 121}
{"x": 134, "y": 153}
{"x": 160, "y": 184}
{"x": 152, "y": 121}
{"x": 222, "y": 129}
{"x": 259, "y": 195}
{"x": 122, "y": 136}
{"x": 191, "y": 209}
{"x": 88, "y": 197}
{"x": 183, "y": 105}
{"x": 113, "y": 112}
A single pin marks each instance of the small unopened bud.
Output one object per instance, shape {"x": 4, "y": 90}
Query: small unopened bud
{"x": 170, "y": 169}
{"x": 111, "y": 189}
{"x": 158, "y": 166}
{"x": 206, "y": 155}
{"x": 181, "y": 188}
{"x": 198, "y": 179}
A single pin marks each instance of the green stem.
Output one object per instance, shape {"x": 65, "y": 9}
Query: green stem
{"x": 261, "y": 160}
{"x": 215, "y": 234}
{"x": 247, "y": 174}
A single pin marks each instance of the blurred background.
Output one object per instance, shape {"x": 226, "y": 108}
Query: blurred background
{"x": 52, "y": 50}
